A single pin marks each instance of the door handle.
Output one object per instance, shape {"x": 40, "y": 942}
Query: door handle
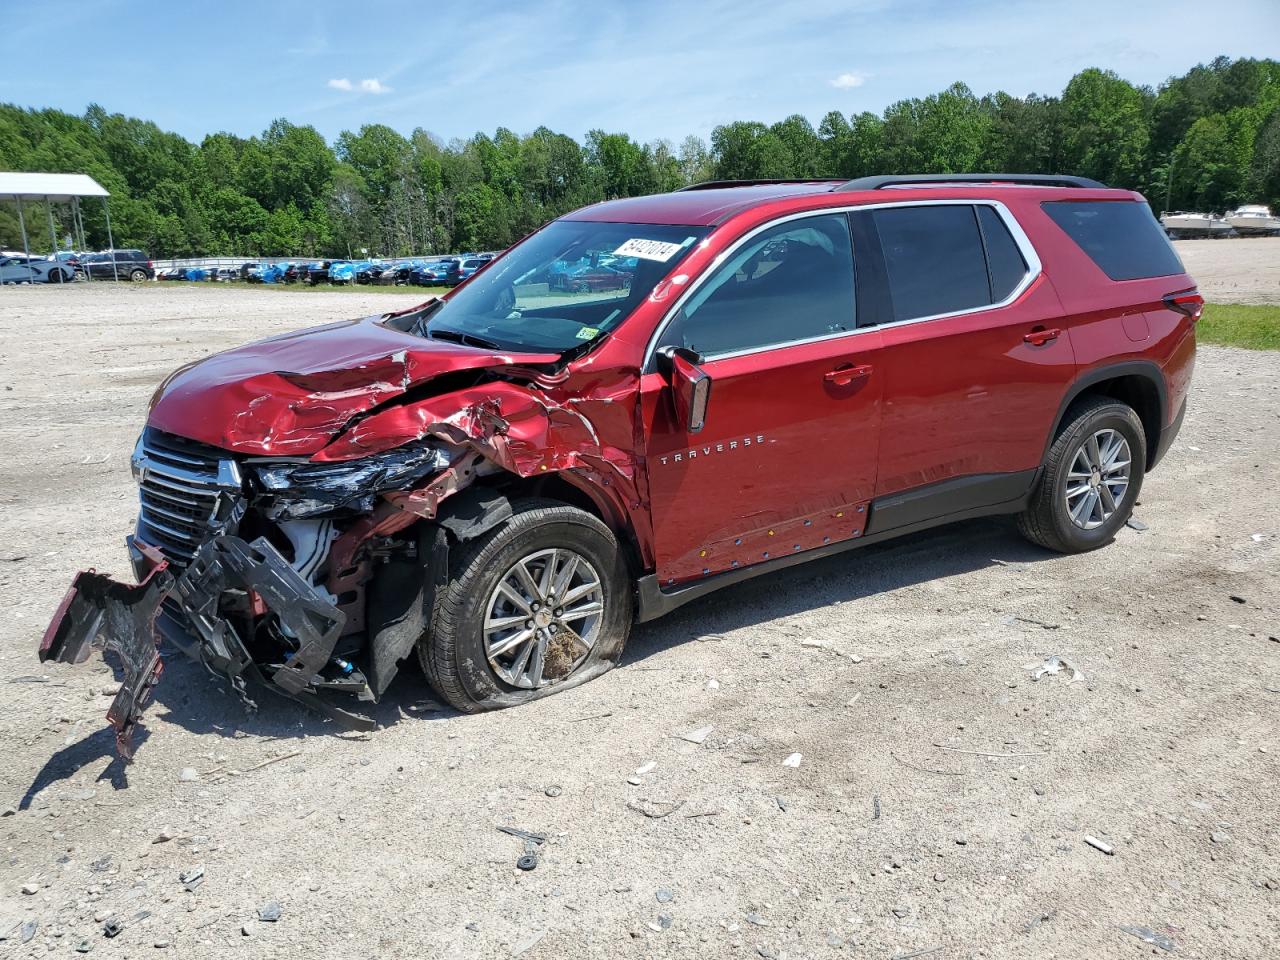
{"x": 842, "y": 376}
{"x": 1040, "y": 336}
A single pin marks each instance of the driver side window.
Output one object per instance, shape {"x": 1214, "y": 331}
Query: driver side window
{"x": 789, "y": 283}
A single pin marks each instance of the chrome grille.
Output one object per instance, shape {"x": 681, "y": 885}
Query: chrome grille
{"x": 178, "y": 485}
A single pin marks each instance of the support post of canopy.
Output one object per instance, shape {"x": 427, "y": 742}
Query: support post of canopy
{"x": 53, "y": 236}
{"x": 26, "y": 248}
{"x": 77, "y": 220}
{"x": 111, "y": 243}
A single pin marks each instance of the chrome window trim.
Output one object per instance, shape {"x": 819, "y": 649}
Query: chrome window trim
{"x": 1020, "y": 238}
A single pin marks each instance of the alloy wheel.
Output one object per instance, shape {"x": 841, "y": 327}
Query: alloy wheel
{"x": 1098, "y": 479}
{"x": 543, "y": 618}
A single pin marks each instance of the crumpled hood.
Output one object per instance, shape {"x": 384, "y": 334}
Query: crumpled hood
{"x": 291, "y": 395}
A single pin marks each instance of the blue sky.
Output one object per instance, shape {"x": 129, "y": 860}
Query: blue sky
{"x": 651, "y": 69}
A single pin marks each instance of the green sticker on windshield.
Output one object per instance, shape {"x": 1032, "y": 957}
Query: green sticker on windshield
{"x": 587, "y": 333}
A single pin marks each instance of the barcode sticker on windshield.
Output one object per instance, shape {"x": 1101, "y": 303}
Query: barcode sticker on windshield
{"x": 648, "y": 249}
{"x": 587, "y": 333}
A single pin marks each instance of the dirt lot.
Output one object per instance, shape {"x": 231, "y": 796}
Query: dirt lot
{"x": 942, "y": 800}
{"x": 1236, "y": 270}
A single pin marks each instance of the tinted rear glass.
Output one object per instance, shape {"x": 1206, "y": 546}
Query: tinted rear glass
{"x": 933, "y": 255}
{"x": 1004, "y": 259}
{"x": 1121, "y": 237}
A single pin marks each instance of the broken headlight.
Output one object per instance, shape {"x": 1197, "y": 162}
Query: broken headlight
{"x": 298, "y": 490}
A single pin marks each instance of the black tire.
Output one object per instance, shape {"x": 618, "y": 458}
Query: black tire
{"x": 137, "y": 276}
{"x": 1046, "y": 521}
{"x": 57, "y": 276}
{"x": 452, "y": 652}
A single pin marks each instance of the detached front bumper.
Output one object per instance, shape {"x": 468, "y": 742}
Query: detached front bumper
{"x": 127, "y": 620}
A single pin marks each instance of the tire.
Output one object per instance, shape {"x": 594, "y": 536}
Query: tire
{"x": 57, "y": 276}
{"x": 453, "y": 651}
{"x": 1047, "y": 520}
{"x": 137, "y": 276}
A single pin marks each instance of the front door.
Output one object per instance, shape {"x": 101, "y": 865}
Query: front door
{"x": 787, "y": 459}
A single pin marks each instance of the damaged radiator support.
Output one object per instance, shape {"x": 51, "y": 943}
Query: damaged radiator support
{"x": 121, "y": 618}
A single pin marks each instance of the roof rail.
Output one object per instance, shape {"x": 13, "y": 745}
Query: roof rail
{"x": 720, "y": 184}
{"x": 925, "y": 179}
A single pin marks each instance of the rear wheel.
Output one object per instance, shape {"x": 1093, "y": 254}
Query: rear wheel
{"x": 539, "y": 604}
{"x": 1091, "y": 478}
{"x": 137, "y": 276}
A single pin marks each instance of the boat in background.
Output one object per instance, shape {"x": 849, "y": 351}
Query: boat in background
{"x": 1254, "y": 218}
{"x": 1182, "y": 224}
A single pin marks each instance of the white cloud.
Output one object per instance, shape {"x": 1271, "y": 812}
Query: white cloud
{"x": 373, "y": 85}
{"x": 340, "y": 83}
{"x": 847, "y": 81}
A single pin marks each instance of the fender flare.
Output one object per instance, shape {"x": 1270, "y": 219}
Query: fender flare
{"x": 1147, "y": 369}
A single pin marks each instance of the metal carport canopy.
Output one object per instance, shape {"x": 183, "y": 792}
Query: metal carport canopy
{"x": 49, "y": 186}
{"x": 62, "y": 187}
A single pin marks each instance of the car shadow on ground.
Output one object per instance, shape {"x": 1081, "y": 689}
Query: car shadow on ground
{"x": 190, "y": 697}
{"x": 862, "y": 572}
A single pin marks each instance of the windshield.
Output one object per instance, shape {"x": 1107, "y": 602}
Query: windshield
{"x": 567, "y": 285}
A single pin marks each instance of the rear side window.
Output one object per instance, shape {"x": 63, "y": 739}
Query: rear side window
{"x": 934, "y": 259}
{"x": 1121, "y": 237}
{"x": 1004, "y": 260}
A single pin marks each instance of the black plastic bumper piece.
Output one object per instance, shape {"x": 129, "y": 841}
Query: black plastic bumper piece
{"x": 118, "y": 618}
{"x": 99, "y": 612}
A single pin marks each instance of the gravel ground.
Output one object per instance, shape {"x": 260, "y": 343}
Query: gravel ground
{"x": 1235, "y": 270}
{"x": 941, "y": 800}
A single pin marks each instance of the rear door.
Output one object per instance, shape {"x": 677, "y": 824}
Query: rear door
{"x": 787, "y": 459}
{"x": 974, "y": 358}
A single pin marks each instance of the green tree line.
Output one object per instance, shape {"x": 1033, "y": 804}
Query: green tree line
{"x": 1207, "y": 140}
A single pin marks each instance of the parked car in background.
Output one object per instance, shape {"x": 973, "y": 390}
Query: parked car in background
{"x": 397, "y": 274}
{"x": 248, "y": 271}
{"x": 368, "y": 271}
{"x": 342, "y": 272}
{"x": 121, "y": 264}
{"x": 69, "y": 258}
{"x": 461, "y": 269}
{"x": 433, "y": 274}
{"x": 24, "y": 269}
{"x": 318, "y": 272}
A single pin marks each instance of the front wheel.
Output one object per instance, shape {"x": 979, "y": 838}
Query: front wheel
{"x": 1091, "y": 478}
{"x": 537, "y": 605}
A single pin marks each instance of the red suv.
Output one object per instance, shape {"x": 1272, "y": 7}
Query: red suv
{"x": 505, "y": 478}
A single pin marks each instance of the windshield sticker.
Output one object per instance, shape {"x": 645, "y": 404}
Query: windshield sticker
{"x": 649, "y": 249}
{"x": 587, "y": 333}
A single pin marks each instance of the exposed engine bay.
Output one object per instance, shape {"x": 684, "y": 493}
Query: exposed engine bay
{"x": 295, "y": 544}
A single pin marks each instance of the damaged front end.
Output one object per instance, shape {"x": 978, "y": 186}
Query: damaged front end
{"x": 262, "y": 569}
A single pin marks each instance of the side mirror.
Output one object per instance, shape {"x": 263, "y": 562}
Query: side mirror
{"x": 690, "y": 386}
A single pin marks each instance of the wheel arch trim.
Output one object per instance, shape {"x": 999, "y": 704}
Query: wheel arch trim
{"x": 1147, "y": 370}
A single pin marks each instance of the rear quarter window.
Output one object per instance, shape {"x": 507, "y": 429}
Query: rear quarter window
{"x": 1121, "y": 236}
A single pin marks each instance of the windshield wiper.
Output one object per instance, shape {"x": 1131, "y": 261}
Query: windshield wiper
{"x": 457, "y": 336}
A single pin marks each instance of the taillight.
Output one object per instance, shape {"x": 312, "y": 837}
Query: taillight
{"x": 1189, "y": 303}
